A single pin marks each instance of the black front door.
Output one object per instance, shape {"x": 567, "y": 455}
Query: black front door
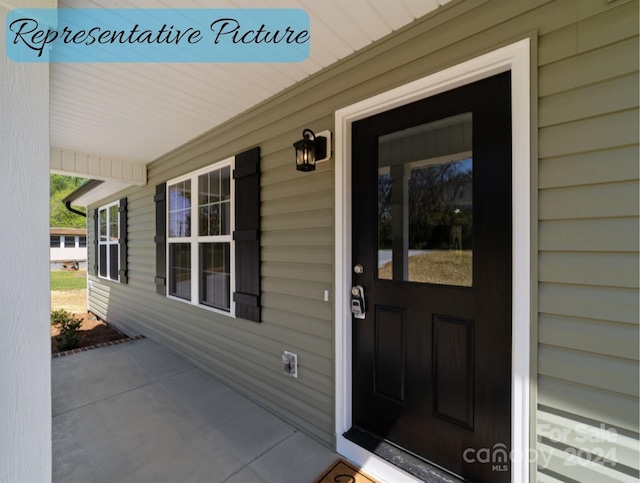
{"x": 432, "y": 250}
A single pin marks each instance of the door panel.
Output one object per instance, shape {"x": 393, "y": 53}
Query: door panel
{"x": 432, "y": 230}
{"x": 453, "y": 344}
{"x": 390, "y": 356}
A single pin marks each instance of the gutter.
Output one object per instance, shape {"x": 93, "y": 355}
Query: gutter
{"x": 78, "y": 192}
{"x": 73, "y": 210}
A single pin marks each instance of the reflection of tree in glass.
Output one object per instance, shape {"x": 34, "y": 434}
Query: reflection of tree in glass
{"x": 440, "y": 207}
{"x": 440, "y": 198}
{"x": 384, "y": 211}
{"x": 210, "y": 220}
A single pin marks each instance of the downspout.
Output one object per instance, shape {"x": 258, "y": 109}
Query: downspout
{"x": 79, "y": 191}
{"x": 74, "y": 195}
{"x": 73, "y": 210}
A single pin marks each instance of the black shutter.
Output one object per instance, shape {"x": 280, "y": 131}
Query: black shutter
{"x": 96, "y": 234}
{"x": 161, "y": 238}
{"x": 122, "y": 241}
{"x": 247, "y": 234}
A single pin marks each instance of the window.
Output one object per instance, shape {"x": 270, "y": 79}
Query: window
{"x": 82, "y": 241}
{"x": 55, "y": 241}
{"x": 208, "y": 237}
{"x": 109, "y": 241}
{"x": 200, "y": 248}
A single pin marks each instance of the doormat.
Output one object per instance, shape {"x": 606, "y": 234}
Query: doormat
{"x": 344, "y": 472}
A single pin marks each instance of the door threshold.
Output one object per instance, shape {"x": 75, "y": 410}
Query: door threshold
{"x": 412, "y": 464}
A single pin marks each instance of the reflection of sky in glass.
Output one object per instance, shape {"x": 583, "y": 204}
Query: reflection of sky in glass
{"x": 103, "y": 224}
{"x": 464, "y": 165}
{"x": 180, "y": 209}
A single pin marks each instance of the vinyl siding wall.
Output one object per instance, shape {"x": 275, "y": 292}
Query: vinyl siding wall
{"x": 585, "y": 201}
{"x": 588, "y": 247}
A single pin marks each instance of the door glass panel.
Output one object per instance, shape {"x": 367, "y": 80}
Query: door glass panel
{"x": 425, "y": 203}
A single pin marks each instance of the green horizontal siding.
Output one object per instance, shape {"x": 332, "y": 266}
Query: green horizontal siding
{"x": 605, "y": 131}
{"x": 586, "y": 168}
{"x": 592, "y": 302}
{"x": 611, "y": 373}
{"x": 591, "y": 201}
{"x": 612, "y": 60}
{"x": 612, "y": 95}
{"x": 586, "y": 268}
{"x": 558, "y": 427}
{"x": 588, "y": 242}
{"x": 597, "y": 235}
{"x": 596, "y": 404}
{"x": 583, "y": 334}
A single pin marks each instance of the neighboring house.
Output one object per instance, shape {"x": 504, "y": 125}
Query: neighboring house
{"x": 68, "y": 246}
{"x": 225, "y": 253}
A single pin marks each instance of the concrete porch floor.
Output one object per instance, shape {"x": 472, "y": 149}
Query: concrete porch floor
{"x": 136, "y": 412}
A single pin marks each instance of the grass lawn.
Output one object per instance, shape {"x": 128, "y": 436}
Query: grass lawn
{"x": 448, "y": 267}
{"x": 68, "y": 280}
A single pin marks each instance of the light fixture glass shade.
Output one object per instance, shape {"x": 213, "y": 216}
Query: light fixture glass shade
{"x": 306, "y": 151}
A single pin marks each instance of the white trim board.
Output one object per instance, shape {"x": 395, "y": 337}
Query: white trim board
{"x": 514, "y": 58}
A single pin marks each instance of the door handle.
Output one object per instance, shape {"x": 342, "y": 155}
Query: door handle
{"x": 358, "y": 306}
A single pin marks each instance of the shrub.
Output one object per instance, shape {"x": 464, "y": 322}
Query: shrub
{"x": 58, "y": 315}
{"x": 69, "y": 337}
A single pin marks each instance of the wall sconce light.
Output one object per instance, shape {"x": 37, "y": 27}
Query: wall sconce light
{"x": 312, "y": 149}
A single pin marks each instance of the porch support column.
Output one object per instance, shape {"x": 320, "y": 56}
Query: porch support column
{"x": 25, "y": 345}
{"x": 400, "y": 221}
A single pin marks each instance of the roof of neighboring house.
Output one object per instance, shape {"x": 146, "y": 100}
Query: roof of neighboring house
{"x": 68, "y": 231}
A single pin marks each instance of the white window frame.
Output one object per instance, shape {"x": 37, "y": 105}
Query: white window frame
{"x": 194, "y": 240}
{"x": 109, "y": 243}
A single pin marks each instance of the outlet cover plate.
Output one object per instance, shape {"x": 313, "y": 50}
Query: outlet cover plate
{"x": 290, "y": 368}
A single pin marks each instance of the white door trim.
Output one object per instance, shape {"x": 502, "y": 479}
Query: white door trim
{"x": 516, "y": 58}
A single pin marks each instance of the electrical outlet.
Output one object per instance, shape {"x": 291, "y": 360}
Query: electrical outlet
{"x": 290, "y": 364}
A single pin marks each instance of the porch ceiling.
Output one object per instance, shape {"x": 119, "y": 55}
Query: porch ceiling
{"x": 135, "y": 113}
